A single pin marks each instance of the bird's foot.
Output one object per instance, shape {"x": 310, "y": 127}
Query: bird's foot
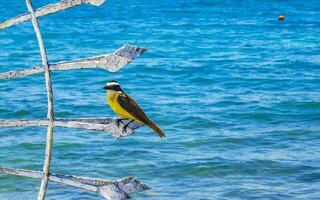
{"x": 124, "y": 129}
{"x": 118, "y": 121}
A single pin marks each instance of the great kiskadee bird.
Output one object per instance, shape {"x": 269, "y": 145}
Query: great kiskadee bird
{"x": 124, "y": 106}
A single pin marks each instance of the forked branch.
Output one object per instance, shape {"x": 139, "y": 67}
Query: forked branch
{"x": 109, "y": 125}
{"x": 111, "y": 190}
{"x": 111, "y": 62}
{"x": 49, "y": 9}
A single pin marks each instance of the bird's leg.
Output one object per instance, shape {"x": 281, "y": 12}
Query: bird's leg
{"x": 124, "y": 129}
{"x": 119, "y": 120}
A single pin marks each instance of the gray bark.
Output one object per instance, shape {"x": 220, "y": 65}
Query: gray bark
{"x": 111, "y": 62}
{"x": 111, "y": 190}
{"x": 50, "y": 116}
{"x": 49, "y": 9}
{"x": 108, "y": 125}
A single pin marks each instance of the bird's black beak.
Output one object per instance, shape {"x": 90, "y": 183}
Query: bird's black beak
{"x": 106, "y": 87}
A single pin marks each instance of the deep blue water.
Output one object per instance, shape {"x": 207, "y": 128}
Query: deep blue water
{"x": 236, "y": 91}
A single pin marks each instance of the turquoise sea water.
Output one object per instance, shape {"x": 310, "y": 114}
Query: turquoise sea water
{"x": 236, "y": 91}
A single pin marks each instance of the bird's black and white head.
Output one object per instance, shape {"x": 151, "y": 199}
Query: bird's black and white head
{"x": 112, "y": 86}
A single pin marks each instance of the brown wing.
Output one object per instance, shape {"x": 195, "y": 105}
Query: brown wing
{"x": 133, "y": 108}
{"x": 127, "y": 103}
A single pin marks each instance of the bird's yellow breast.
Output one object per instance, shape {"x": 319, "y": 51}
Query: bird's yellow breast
{"x": 116, "y": 107}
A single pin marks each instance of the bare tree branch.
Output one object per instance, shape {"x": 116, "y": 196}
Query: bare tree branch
{"x": 111, "y": 62}
{"x": 50, "y": 115}
{"x": 111, "y": 190}
{"x": 49, "y": 9}
{"x": 108, "y": 125}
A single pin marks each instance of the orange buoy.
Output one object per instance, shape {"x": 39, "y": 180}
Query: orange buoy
{"x": 281, "y": 17}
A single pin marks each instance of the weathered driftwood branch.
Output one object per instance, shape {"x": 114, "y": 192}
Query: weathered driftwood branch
{"x": 108, "y": 125}
{"x": 50, "y": 116}
{"x": 111, "y": 62}
{"x": 111, "y": 190}
{"x": 49, "y": 9}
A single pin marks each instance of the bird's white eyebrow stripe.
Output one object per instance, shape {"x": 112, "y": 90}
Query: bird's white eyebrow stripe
{"x": 112, "y": 84}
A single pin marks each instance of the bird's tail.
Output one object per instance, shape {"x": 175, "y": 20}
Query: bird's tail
{"x": 156, "y": 129}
